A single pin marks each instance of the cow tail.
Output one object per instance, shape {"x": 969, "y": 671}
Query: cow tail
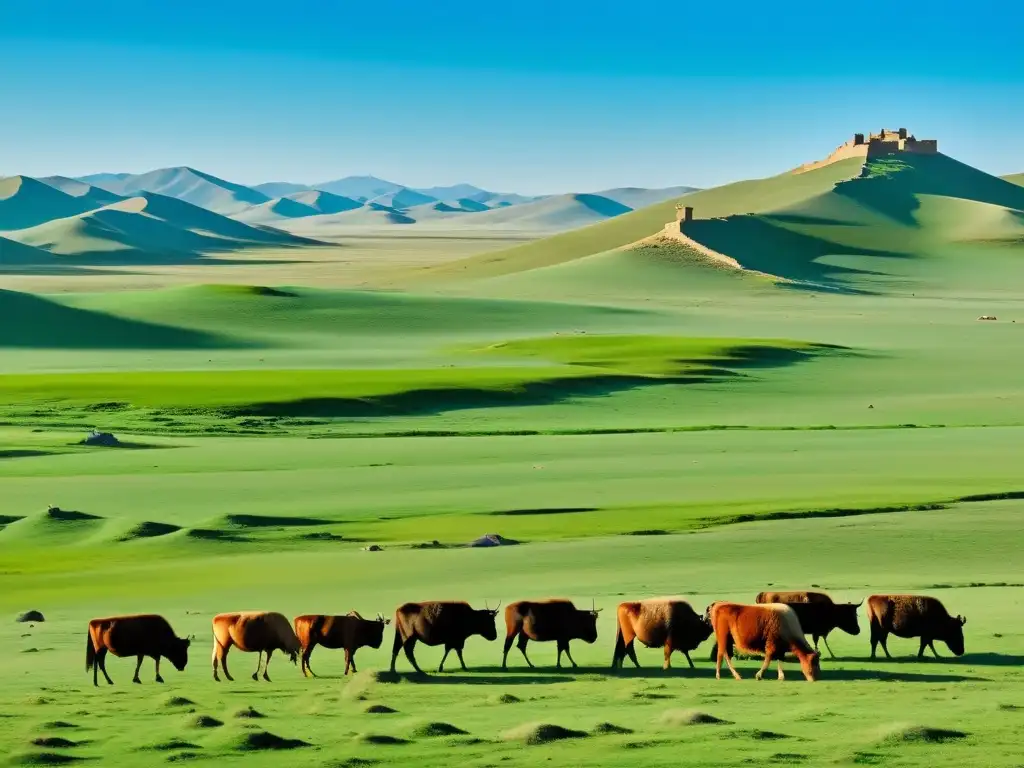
{"x": 90, "y": 652}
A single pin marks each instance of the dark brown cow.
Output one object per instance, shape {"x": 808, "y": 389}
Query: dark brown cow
{"x": 914, "y": 616}
{"x": 141, "y": 636}
{"x": 771, "y": 629}
{"x": 546, "y": 620}
{"x": 661, "y": 622}
{"x": 440, "y": 623}
{"x": 350, "y": 632}
{"x": 260, "y": 631}
{"x": 818, "y": 614}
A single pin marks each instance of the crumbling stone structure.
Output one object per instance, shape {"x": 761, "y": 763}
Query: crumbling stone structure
{"x": 885, "y": 142}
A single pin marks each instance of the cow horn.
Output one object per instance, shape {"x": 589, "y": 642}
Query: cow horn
{"x": 860, "y": 603}
{"x": 962, "y": 620}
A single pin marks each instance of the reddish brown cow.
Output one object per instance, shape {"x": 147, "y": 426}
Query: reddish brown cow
{"x": 260, "y": 631}
{"x": 350, "y": 632}
{"x": 547, "y": 620}
{"x": 440, "y": 623}
{"x": 818, "y": 614}
{"x": 914, "y": 616}
{"x": 771, "y": 629}
{"x": 667, "y": 622}
{"x": 141, "y": 636}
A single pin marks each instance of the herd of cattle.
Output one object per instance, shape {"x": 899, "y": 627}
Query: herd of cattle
{"x": 774, "y": 626}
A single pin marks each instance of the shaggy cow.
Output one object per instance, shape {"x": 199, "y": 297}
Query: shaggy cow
{"x": 546, "y": 620}
{"x": 260, "y": 631}
{"x": 440, "y": 623}
{"x": 667, "y": 622}
{"x": 817, "y": 613}
{"x": 914, "y": 616}
{"x": 141, "y": 636}
{"x": 771, "y": 629}
{"x": 350, "y": 632}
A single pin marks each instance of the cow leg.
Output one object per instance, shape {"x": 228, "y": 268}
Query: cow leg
{"x": 568, "y": 655}
{"x": 782, "y": 675}
{"x": 878, "y": 637}
{"x": 668, "y": 655}
{"x": 259, "y": 663}
{"x": 220, "y": 655}
{"x": 523, "y": 640}
{"x": 631, "y": 652}
{"x": 353, "y": 657}
{"x": 509, "y": 641}
{"x": 138, "y": 666}
{"x": 931, "y": 644}
{"x": 408, "y": 646}
{"x": 920, "y": 651}
{"x": 101, "y": 660}
{"x": 462, "y": 661}
{"x": 827, "y": 646}
{"x": 158, "y": 678}
{"x": 306, "y": 669}
{"x": 687, "y": 655}
{"x": 266, "y": 666}
{"x": 447, "y": 650}
{"x": 769, "y": 649}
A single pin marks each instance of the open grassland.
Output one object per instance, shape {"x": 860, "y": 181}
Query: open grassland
{"x": 640, "y": 421}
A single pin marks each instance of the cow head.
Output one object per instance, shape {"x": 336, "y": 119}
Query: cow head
{"x": 586, "y": 624}
{"x": 485, "y": 623}
{"x": 702, "y": 628}
{"x": 177, "y": 654}
{"x": 810, "y": 665}
{"x": 845, "y": 616}
{"x": 375, "y": 631}
{"x": 955, "y": 635}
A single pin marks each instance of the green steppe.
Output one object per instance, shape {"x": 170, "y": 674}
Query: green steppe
{"x": 643, "y": 422}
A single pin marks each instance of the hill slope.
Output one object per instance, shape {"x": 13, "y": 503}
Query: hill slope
{"x": 1015, "y": 178}
{"x": 26, "y": 202}
{"x": 84, "y": 191}
{"x": 190, "y": 185}
{"x": 638, "y": 197}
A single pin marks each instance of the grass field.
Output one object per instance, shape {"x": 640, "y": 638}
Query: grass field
{"x": 640, "y": 422}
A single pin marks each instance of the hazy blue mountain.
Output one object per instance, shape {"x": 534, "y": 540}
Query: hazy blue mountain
{"x": 190, "y": 185}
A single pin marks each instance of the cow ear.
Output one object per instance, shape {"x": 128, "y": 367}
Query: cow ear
{"x": 962, "y": 620}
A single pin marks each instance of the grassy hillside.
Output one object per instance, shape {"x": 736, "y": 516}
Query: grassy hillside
{"x": 744, "y": 196}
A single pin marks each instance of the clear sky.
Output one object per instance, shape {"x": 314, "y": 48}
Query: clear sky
{"x": 530, "y": 96}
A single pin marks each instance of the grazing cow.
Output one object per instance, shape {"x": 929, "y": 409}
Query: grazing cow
{"x": 260, "y": 631}
{"x": 141, "y": 636}
{"x": 667, "y": 622}
{"x": 545, "y": 620}
{"x": 914, "y": 616}
{"x": 350, "y": 632}
{"x": 818, "y": 614}
{"x": 771, "y": 629}
{"x": 440, "y": 623}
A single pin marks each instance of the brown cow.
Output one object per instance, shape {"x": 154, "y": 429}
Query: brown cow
{"x": 261, "y": 631}
{"x": 771, "y": 629}
{"x": 546, "y": 620}
{"x": 141, "y": 636}
{"x": 350, "y": 632}
{"x": 914, "y": 616}
{"x": 818, "y": 614}
{"x": 440, "y": 623}
{"x": 668, "y": 622}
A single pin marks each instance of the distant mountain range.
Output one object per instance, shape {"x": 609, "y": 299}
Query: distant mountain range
{"x": 186, "y": 213}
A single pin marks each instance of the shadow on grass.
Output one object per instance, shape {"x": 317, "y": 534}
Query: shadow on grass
{"x": 479, "y": 676}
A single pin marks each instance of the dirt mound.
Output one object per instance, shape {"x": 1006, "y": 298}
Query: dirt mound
{"x": 172, "y": 744}
{"x": 507, "y": 698}
{"x": 59, "y": 724}
{"x": 920, "y": 734}
{"x": 258, "y": 741}
{"x": 148, "y": 529}
{"x": 212, "y": 534}
{"x": 271, "y": 521}
{"x": 44, "y": 758}
{"x": 54, "y": 742}
{"x": 68, "y": 515}
{"x": 30, "y": 617}
{"x": 248, "y": 713}
{"x": 610, "y": 729}
{"x": 689, "y": 717}
{"x": 174, "y": 702}
{"x": 205, "y": 721}
{"x": 758, "y": 735}
{"x": 430, "y": 730}
{"x": 379, "y": 709}
{"x": 380, "y": 740}
{"x": 541, "y": 733}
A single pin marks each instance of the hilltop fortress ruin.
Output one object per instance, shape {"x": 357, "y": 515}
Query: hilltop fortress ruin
{"x": 885, "y": 142}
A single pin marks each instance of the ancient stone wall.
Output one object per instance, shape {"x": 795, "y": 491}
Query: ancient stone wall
{"x": 922, "y": 146}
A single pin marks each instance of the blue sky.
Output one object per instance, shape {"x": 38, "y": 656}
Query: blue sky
{"x": 522, "y": 96}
